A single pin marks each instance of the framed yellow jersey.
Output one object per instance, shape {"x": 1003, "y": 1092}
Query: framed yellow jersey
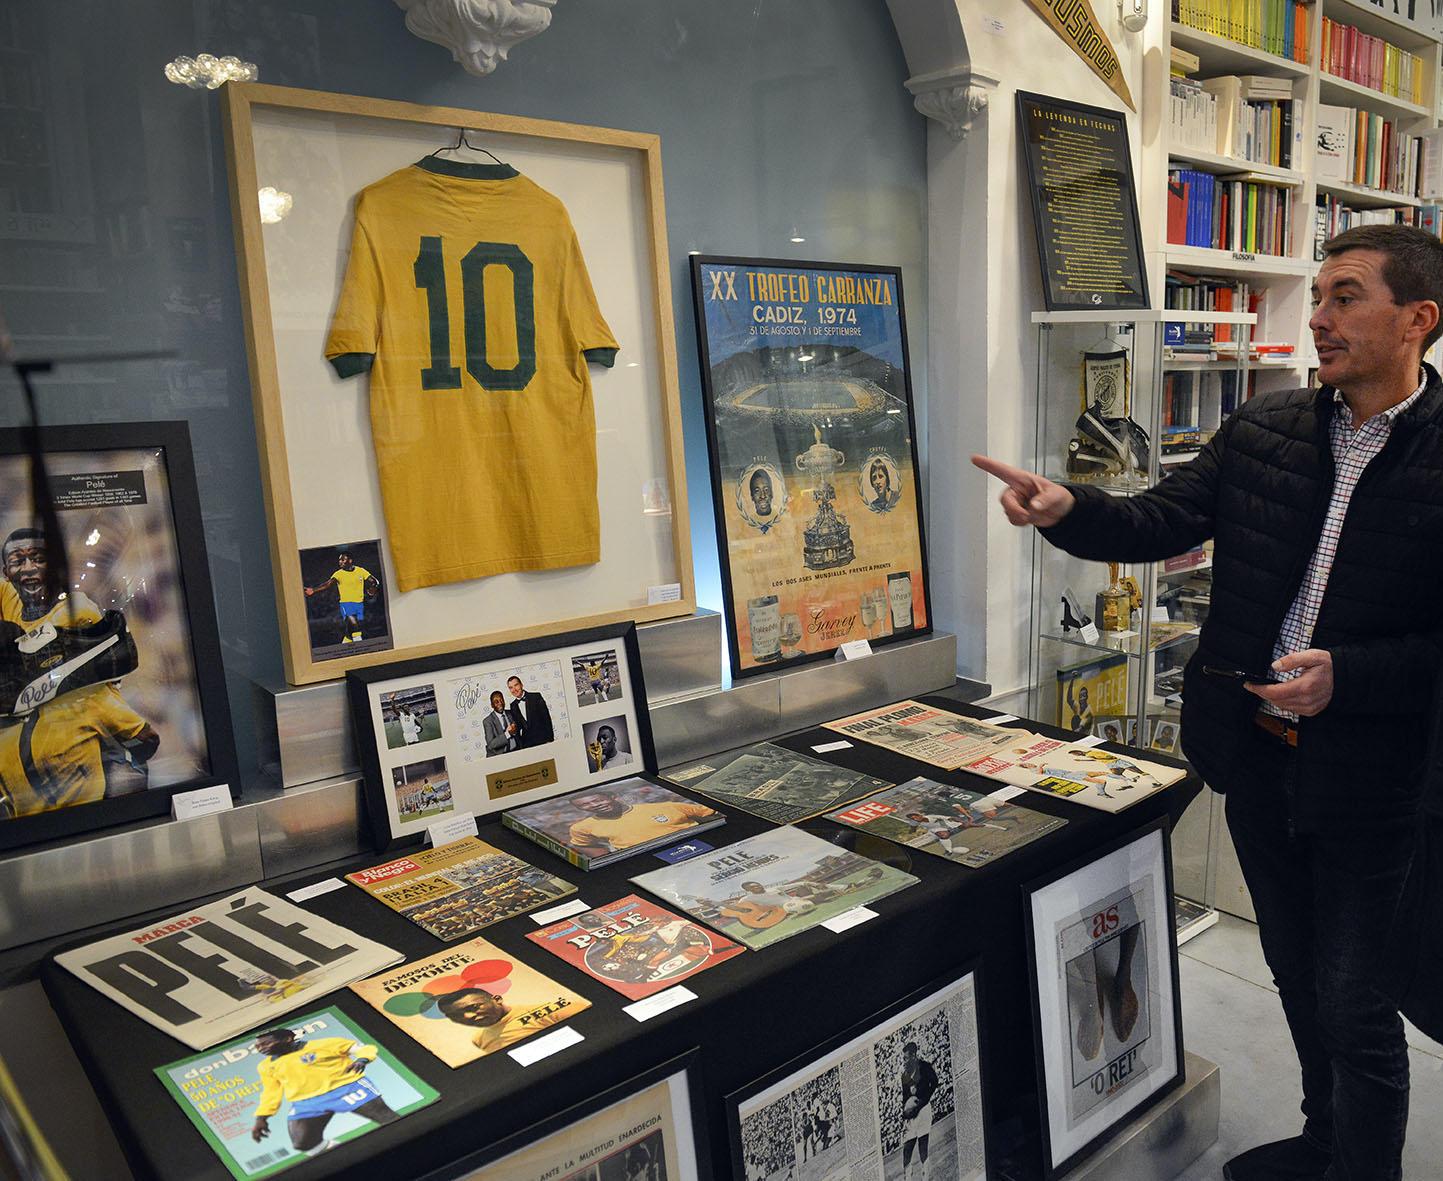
{"x": 467, "y": 300}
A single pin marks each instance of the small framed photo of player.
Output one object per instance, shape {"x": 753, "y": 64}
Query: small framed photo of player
{"x": 811, "y": 434}
{"x": 1107, "y": 1020}
{"x": 506, "y": 726}
{"x": 913, "y": 1074}
{"x": 112, "y": 696}
{"x": 345, "y": 592}
{"x": 650, "y": 1128}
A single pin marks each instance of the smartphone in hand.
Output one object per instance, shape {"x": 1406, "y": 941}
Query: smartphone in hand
{"x": 1232, "y": 673}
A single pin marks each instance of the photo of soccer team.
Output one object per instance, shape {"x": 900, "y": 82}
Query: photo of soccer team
{"x": 346, "y": 609}
{"x": 411, "y": 716}
{"x": 597, "y": 676}
{"x": 422, "y": 789}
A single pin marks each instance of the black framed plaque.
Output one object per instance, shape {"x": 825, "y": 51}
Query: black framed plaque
{"x": 1084, "y": 204}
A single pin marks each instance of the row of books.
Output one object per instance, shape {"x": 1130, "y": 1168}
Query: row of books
{"x": 1254, "y": 117}
{"x": 1187, "y": 292}
{"x": 1199, "y": 401}
{"x": 1355, "y": 56}
{"x": 1275, "y": 26}
{"x": 1334, "y": 216}
{"x": 1192, "y": 116}
{"x": 1239, "y": 213}
{"x": 1362, "y": 148}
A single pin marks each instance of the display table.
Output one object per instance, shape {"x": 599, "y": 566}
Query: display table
{"x": 753, "y": 1013}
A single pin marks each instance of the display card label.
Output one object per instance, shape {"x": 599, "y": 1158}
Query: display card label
{"x": 545, "y": 1046}
{"x": 187, "y": 805}
{"x": 519, "y": 779}
{"x": 443, "y": 832}
{"x": 649, "y": 1007}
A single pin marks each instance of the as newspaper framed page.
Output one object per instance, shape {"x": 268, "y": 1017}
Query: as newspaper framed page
{"x": 1084, "y": 204}
{"x": 1107, "y": 1018}
{"x": 900, "y": 1096}
{"x": 463, "y": 362}
{"x": 493, "y": 728}
{"x": 813, "y": 441}
{"x": 112, "y": 696}
{"x": 650, "y": 1128}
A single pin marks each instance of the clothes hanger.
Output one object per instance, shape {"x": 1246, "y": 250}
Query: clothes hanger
{"x": 463, "y": 142}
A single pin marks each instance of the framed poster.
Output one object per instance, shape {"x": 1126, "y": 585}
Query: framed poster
{"x": 492, "y": 728}
{"x": 649, "y": 1128}
{"x": 1107, "y": 1018}
{"x": 1084, "y": 204}
{"x": 113, "y": 697}
{"x": 808, "y": 398}
{"x": 458, "y": 409}
{"x": 912, "y": 1074}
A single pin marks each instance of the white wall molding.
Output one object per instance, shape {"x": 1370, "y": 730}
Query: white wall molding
{"x": 954, "y": 98}
{"x": 479, "y": 33}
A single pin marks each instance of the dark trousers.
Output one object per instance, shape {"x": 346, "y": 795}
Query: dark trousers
{"x": 1324, "y": 902}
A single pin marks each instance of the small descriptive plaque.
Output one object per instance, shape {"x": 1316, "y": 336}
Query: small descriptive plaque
{"x": 500, "y": 784}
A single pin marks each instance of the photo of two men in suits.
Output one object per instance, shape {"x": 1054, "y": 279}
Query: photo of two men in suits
{"x": 520, "y": 724}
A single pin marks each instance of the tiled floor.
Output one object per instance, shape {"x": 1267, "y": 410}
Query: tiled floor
{"x": 1232, "y": 1016}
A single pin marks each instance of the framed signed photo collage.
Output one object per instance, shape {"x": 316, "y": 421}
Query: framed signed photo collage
{"x": 812, "y": 437}
{"x": 494, "y": 728}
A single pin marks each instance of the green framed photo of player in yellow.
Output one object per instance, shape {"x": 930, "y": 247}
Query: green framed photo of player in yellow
{"x": 111, "y": 690}
{"x": 346, "y": 604}
{"x": 812, "y": 440}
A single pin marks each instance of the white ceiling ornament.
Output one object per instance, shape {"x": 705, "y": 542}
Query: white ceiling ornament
{"x": 479, "y": 33}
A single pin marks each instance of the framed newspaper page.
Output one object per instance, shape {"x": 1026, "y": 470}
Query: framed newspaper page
{"x": 464, "y": 374}
{"x": 112, "y": 696}
{"x": 496, "y": 727}
{"x": 914, "y": 1075}
{"x": 813, "y": 441}
{"x": 652, "y": 1126}
{"x": 1107, "y": 1019}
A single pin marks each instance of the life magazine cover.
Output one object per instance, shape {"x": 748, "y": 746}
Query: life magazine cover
{"x": 635, "y": 946}
{"x": 211, "y": 973}
{"x": 460, "y": 888}
{"x": 470, "y": 1001}
{"x": 901, "y": 1101}
{"x": 321, "y": 1073}
{"x": 774, "y": 783}
{"x": 769, "y": 887}
{"x": 963, "y": 826}
{"x": 644, "y": 1137}
{"x": 1103, "y": 956}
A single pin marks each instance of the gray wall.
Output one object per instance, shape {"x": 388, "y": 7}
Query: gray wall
{"x": 115, "y": 230}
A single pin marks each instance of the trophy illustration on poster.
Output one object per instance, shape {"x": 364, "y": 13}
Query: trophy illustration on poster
{"x": 827, "y": 539}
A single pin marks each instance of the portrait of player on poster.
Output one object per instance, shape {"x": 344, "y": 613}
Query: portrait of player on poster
{"x": 99, "y": 689}
{"x": 597, "y": 676}
{"x": 411, "y": 716}
{"x": 813, "y": 456}
{"x": 346, "y": 610}
{"x": 422, "y": 789}
{"x": 915, "y": 1090}
{"x": 608, "y": 744}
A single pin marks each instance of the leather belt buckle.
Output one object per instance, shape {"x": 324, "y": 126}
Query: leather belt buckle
{"x": 1280, "y": 728}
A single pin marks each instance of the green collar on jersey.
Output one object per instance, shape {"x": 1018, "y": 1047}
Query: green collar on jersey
{"x": 467, "y": 171}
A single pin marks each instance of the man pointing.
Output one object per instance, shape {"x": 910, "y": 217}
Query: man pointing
{"x": 1326, "y": 510}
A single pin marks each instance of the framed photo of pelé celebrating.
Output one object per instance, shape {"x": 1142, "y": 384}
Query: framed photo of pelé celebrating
{"x": 812, "y": 440}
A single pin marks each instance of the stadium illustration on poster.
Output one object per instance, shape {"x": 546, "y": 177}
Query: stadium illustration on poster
{"x": 813, "y": 452}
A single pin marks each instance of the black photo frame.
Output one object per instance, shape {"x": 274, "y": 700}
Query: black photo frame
{"x": 802, "y": 574}
{"x": 1048, "y": 910}
{"x": 873, "y": 1028}
{"x": 686, "y": 1065}
{"x": 478, "y": 779}
{"x": 1099, "y": 135}
{"x": 126, "y": 500}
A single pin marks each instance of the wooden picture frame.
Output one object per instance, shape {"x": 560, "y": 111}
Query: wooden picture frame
{"x": 1077, "y": 918}
{"x": 804, "y": 1083}
{"x": 315, "y": 445}
{"x": 816, "y": 482}
{"x": 126, "y": 501}
{"x": 451, "y": 742}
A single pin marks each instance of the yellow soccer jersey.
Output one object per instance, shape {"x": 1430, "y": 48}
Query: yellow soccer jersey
{"x": 51, "y": 758}
{"x": 351, "y": 583}
{"x": 317, "y": 1066}
{"x": 75, "y": 610}
{"x": 467, "y": 299}
{"x": 640, "y": 822}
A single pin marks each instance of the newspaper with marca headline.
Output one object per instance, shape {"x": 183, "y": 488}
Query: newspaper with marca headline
{"x": 1075, "y": 769}
{"x": 213, "y": 972}
{"x": 862, "y": 1109}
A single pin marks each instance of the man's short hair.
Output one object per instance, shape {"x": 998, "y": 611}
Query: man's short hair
{"x": 449, "y": 1000}
{"x": 607, "y": 729}
{"x": 1412, "y": 263}
{"x": 514, "y": 677}
{"x": 19, "y": 535}
{"x": 912, "y": 1046}
{"x": 283, "y": 1034}
{"x": 759, "y": 474}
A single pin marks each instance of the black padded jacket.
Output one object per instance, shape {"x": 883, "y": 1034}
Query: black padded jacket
{"x": 1260, "y": 489}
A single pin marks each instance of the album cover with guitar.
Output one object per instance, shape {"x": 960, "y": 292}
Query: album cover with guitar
{"x": 772, "y": 886}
